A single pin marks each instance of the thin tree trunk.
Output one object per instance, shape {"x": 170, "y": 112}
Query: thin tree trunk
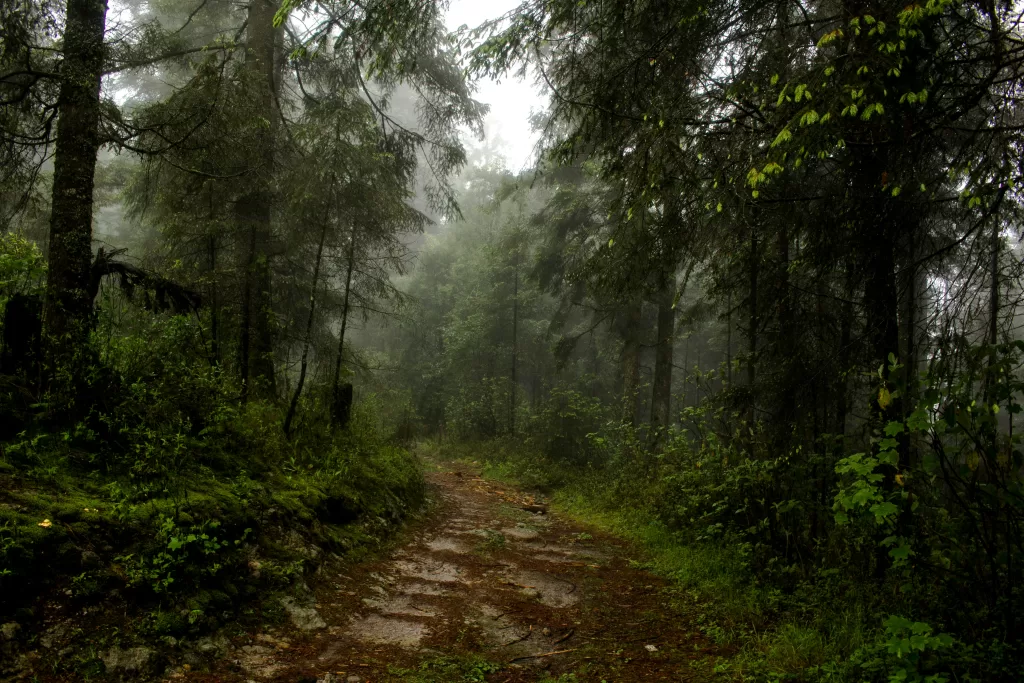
{"x": 993, "y": 321}
{"x": 303, "y": 363}
{"x": 752, "y": 334}
{"x": 661, "y": 397}
{"x": 515, "y": 351}
{"x": 631, "y": 364}
{"x": 339, "y": 414}
{"x": 68, "y": 307}
{"x": 728, "y": 340}
{"x": 245, "y": 338}
{"x": 214, "y": 303}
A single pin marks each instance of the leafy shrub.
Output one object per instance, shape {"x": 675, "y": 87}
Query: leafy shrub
{"x": 183, "y": 558}
{"x": 561, "y": 427}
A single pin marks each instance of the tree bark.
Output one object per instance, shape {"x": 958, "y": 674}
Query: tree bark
{"x": 255, "y": 208}
{"x": 515, "y": 350}
{"x": 68, "y": 307}
{"x": 214, "y": 303}
{"x": 631, "y": 364}
{"x": 661, "y": 398}
{"x": 303, "y": 363}
{"x": 342, "y": 397}
{"x": 993, "y": 320}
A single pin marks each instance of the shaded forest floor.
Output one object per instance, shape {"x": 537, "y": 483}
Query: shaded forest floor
{"x": 481, "y": 590}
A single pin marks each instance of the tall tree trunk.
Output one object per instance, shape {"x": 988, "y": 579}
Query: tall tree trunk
{"x": 787, "y": 360}
{"x": 515, "y": 350}
{"x": 631, "y": 363}
{"x": 342, "y": 396}
{"x": 255, "y": 208}
{"x": 214, "y": 303}
{"x": 68, "y": 307}
{"x": 728, "y": 340}
{"x": 881, "y": 304}
{"x": 303, "y": 363}
{"x": 245, "y": 332}
{"x": 661, "y": 397}
{"x": 993, "y": 319}
{"x": 752, "y": 334}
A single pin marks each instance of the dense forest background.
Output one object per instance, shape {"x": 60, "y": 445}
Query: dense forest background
{"x": 755, "y": 305}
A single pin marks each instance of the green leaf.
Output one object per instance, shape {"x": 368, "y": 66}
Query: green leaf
{"x": 884, "y": 511}
{"x": 901, "y": 552}
{"x": 894, "y": 428}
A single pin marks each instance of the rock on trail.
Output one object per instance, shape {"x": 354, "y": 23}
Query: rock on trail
{"x": 533, "y": 593}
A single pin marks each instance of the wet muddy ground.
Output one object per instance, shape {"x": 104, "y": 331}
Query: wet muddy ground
{"x": 535, "y": 595}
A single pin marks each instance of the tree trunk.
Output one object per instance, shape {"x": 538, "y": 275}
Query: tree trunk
{"x": 303, "y": 363}
{"x": 631, "y": 364}
{"x": 342, "y": 395}
{"x": 256, "y": 207}
{"x": 515, "y": 350}
{"x": 993, "y": 320}
{"x": 68, "y": 308}
{"x": 214, "y": 303}
{"x": 728, "y": 340}
{"x": 661, "y": 397}
{"x": 754, "y": 322}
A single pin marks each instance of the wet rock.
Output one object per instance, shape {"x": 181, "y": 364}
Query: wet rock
{"x": 521, "y": 534}
{"x": 549, "y": 589}
{"x": 446, "y": 544}
{"x": 209, "y": 646}
{"x": 428, "y": 570}
{"x": 133, "y": 660}
{"x": 193, "y": 660}
{"x": 55, "y": 635}
{"x": 399, "y": 605}
{"x": 329, "y": 678}
{"x": 419, "y": 588}
{"x": 305, "y": 618}
{"x": 388, "y": 631}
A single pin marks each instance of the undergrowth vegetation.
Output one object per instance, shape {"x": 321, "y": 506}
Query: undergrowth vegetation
{"x": 813, "y": 567}
{"x": 172, "y": 503}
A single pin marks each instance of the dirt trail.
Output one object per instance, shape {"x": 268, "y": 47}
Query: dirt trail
{"x": 483, "y": 579}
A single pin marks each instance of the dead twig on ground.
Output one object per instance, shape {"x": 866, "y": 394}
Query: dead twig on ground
{"x": 546, "y": 654}
{"x": 566, "y": 637}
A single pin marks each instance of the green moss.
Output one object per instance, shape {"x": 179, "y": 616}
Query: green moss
{"x": 452, "y": 669}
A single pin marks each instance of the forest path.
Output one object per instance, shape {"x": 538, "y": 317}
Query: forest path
{"x": 482, "y": 590}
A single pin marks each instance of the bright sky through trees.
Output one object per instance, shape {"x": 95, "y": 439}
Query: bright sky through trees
{"x": 508, "y": 123}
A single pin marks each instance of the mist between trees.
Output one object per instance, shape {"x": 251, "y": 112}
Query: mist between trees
{"x": 759, "y": 293}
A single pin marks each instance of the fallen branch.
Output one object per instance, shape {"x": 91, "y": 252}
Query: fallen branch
{"x": 546, "y": 654}
{"x": 566, "y": 637}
